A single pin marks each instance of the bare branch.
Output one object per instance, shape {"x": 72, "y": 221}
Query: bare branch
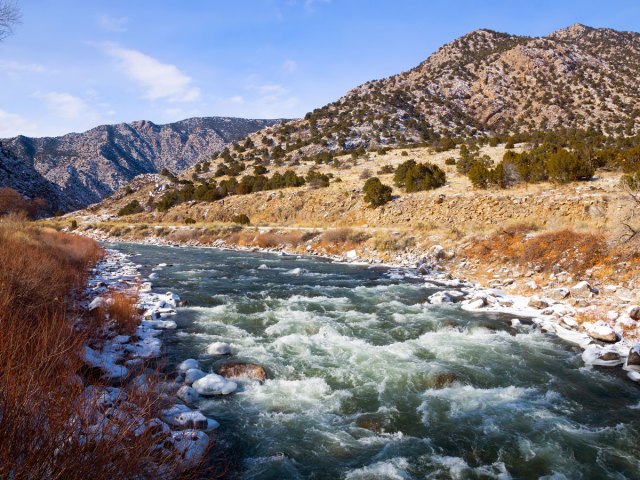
{"x": 9, "y": 17}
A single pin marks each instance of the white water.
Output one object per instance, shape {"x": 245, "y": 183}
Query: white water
{"x": 368, "y": 381}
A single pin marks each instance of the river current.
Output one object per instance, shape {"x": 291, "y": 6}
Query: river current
{"x": 366, "y": 380}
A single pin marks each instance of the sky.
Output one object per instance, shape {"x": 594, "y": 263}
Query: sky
{"x": 75, "y": 64}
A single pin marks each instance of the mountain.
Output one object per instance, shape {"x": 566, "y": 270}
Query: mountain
{"x": 485, "y": 82}
{"x": 77, "y": 169}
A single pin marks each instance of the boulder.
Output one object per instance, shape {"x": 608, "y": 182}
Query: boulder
{"x": 181, "y": 416}
{"x": 633, "y": 360}
{"x": 440, "y": 298}
{"x": 582, "y": 290}
{"x": 437, "y": 252}
{"x": 188, "y": 364}
{"x": 192, "y": 375}
{"x": 537, "y": 302}
{"x": 558, "y": 293}
{"x": 213, "y": 384}
{"x": 601, "y": 331}
{"x": 187, "y": 394}
{"x": 250, "y": 371}
{"x": 191, "y": 445}
{"x": 477, "y": 303}
{"x": 634, "y": 312}
{"x": 219, "y": 348}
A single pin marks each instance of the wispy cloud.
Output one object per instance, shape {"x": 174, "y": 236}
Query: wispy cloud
{"x": 159, "y": 80}
{"x": 64, "y": 104}
{"x": 12, "y": 66}
{"x": 290, "y": 66}
{"x": 113, "y": 24}
{"x": 12, "y": 124}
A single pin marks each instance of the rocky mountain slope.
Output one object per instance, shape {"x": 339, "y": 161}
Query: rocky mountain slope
{"x": 484, "y": 82}
{"x": 77, "y": 169}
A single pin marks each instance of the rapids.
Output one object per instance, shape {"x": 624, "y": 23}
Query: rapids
{"x": 368, "y": 381}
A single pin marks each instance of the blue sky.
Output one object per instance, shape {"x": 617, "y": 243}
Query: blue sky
{"x": 75, "y": 64}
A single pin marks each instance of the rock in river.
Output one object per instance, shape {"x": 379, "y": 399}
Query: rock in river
{"x": 250, "y": 371}
{"x": 214, "y": 384}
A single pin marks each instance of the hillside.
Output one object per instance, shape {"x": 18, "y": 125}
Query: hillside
{"x": 77, "y": 169}
{"x": 482, "y": 83}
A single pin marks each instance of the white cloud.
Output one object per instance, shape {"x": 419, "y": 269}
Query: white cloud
{"x": 12, "y": 124}
{"x": 113, "y": 24}
{"x": 64, "y": 104}
{"x": 159, "y": 80}
{"x": 11, "y": 66}
{"x": 290, "y": 66}
{"x": 237, "y": 99}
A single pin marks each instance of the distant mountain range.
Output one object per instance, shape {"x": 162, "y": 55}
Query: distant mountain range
{"x": 75, "y": 170}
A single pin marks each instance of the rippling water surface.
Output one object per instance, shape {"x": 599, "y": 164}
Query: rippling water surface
{"x": 367, "y": 381}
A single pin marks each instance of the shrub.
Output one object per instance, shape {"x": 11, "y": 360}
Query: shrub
{"x": 386, "y": 169}
{"x": 450, "y": 161}
{"x": 316, "y": 179}
{"x": 631, "y": 181}
{"x": 241, "y": 219}
{"x": 564, "y": 166}
{"x": 131, "y": 208}
{"x": 74, "y": 225}
{"x": 376, "y": 193}
{"x": 416, "y": 177}
{"x": 366, "y": 173}
{"x": 189, "y": 221}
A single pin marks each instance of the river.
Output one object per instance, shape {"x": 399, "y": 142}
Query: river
{"x": 368, "y": 381}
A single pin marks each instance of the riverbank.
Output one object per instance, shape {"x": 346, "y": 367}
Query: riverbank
{"x": 600, "y": 318}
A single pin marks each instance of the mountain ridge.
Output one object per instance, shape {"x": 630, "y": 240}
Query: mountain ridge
{"x": 74, "y": 170}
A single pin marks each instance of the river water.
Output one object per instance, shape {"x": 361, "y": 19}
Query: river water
{"x": 368, "y": 381}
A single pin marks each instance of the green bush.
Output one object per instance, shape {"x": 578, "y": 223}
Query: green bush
{"x": 376, "y": 193}
{"x": 131, "y": 208}
{"x": 189, "y": 221}
{"x": 385, "y": 170}
{"x": 241, "y": 219}
{"x": 415, "y": 177}
{"x": 564, "y": 166}
{"x": 74, "y": 225}
{"x": 450, "y": 161}
{"x": 317, "y": 179}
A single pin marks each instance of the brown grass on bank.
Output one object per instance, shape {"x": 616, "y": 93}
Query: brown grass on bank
{"x": 122, "y": 308}
{"x": 45, "y": 419}
{"x": 572, "y": 251}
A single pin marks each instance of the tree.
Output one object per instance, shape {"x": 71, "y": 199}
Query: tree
{"x": 131, "y": 208}
{"x": 9, "y": 17}
{"x": 376, "y": 193}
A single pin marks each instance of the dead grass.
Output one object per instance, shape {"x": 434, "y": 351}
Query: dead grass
{"x": 122, "y": 309}
{"x": 45, "y": 419}
{"x": 572, "y": 251}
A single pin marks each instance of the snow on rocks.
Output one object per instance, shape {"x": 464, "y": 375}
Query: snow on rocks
{"x": 219, "y": 348}
{"x": 214, "y": 384}
{"x": 633, "y": 360}
{"x": 583, "y": 290}
{"x": 191, "y": 445}
{"x": 187, "y": 394}
{"x": 192, "y": 375}
{"x": 600, "y": 331}
{"x": 188, "y": 364}
{"x": 595, "y": 354}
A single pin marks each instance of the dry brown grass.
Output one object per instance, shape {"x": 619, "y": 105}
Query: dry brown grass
{"x": 122, "y": 309}
{"x": 45, "y": 419}
{"x": 572, "y": 251}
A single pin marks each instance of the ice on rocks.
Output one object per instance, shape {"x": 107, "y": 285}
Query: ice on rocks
{"x": 181, "y": 416}
{"x": 191, "y": 445}
{"x": 219, "y": 348}
{"x": 214, "y": 384}
{"x": 187, "y": 394}
{"x": 188, "y": 364}
{"x": 106, "y": 362}
{"x": 192, "y": 375}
